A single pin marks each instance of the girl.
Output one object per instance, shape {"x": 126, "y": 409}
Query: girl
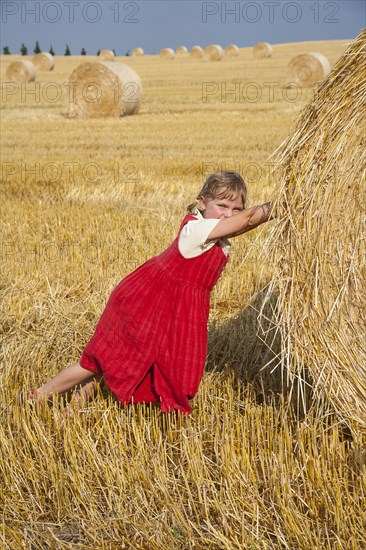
{"x": 150, "y": 342}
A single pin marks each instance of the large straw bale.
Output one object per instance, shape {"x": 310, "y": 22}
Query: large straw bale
{"x": 317, "y": 243}
{"x": 196, "y": 52}
{"x": 138, "y": 51}
{"x": 262, "y": 50}
{"x": 44, "y": 61}
{"x": 231, "y": 50}
{"x": 307, "y": 69}
{"x": 214, "y": 52}
{"x": 167, "y": 53}
{"x": 21, "y": 71}
{"x": 181, "y": 50}
{"x": 104, "y": 89}
{"x": 106, "y": 55}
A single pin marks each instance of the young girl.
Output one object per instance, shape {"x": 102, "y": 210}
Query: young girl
{"x": 150, "y": 341}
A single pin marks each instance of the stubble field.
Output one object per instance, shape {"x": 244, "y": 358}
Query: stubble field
{"x": 83, "y": 202}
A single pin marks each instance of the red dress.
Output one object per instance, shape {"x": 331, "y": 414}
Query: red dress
{"x": 150, "y": 342}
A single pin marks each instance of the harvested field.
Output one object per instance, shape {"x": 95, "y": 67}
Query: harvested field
{"x": 84, "y": 202}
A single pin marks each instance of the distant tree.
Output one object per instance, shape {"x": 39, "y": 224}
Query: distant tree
{"x": 51, "y": 50}
{"x": 37, "y": 49}
{"x": 6, "y": 50}
{"x": 128, "y": 53}
{"x": 67, "y": 51}
{"x": 98, "y": 52}
{"x": 24, "y": 50}
{"x": 83, "y": 51}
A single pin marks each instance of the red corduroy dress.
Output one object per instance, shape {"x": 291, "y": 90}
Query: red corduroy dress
{"x": 150, "y": 342}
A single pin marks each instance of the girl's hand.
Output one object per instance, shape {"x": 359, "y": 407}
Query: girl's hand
{"x": 271, "y": 214}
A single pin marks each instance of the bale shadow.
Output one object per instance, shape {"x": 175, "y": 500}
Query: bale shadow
{"x": 251, "y": 345}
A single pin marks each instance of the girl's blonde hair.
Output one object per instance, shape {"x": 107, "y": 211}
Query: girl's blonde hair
{"x": 221, "y": 185}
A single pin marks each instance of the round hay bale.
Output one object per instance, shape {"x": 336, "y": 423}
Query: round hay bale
{"x": 231, "y": 50}
{"x": 307, "y": 69}
{"x": 181, "y": 50}
{"x": 262, "y": 50}
{"x": 106, "y": 55}
{"x": 21, "y": 71}
{"x": 138, "y": 51}
{"x": 104, "y": 89}
{"x": 44, "y": 61}
{"x": 167, "y": 53}
{"x": 317, "y": 244}
{"x": 196, "y": 52}
{"x": 214, "y": 52}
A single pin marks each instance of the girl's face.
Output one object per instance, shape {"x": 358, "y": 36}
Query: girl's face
{"x": 221, "y": 208}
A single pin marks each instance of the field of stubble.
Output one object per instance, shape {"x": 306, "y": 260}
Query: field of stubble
{"x": 83, "y": 202}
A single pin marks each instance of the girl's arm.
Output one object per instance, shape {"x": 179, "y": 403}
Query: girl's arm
{"x": 242, "y": 222}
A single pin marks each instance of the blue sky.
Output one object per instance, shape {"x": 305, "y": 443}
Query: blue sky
{"x": 155, "y": 24}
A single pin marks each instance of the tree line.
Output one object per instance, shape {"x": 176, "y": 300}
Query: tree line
{"x": 37, "y": 49}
